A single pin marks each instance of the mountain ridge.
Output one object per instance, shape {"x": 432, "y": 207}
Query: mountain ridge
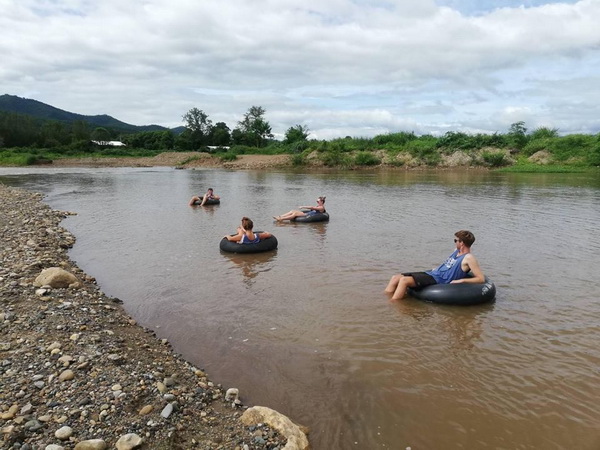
{"x": 15, "y": 104}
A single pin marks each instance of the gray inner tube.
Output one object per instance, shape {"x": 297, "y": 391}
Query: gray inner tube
{"x": 457, "y": 294}
{"x": 318, "y": 217}
{"x": 263, "y": 246}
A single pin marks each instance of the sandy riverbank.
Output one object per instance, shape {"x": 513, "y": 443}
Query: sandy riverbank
{"x": 187, "y": 160}
{"x": 76, "y": 372}
{"x": 198, "y": 160}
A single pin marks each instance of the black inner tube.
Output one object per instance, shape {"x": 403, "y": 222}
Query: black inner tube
{"x": 264, "y": 245}
{"x": 318, "y": 217}
{"x": 457, "y": 294}
{"x": 211, "y": 201}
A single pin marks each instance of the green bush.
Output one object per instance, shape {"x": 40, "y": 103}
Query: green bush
{"x": 453, "y": 141}
{"x": 298, "y": 159}
{"x": 339, "y": 145}
{"x": 228, "y": 156}
{"x": 536, "y": 145}
{"x": 395, "y": 139}
{"x": 366, "y": 159}
{"x": 543, "y": 133}
{"x": 572, "y": 146}
{"x": 494, "y": 159}
{"x": 274, "y": 148}
{"x": 422, "y": 146}
{"x": 425, "y": 150}
{"x": 392, "y": 159}
{"x": 456, "y": 140}
{"x": 361, "y": 144}
{"x": 335, "y": 158}
{"x": 82, "y": 146}
{"x": 16, "y": 157}
{"x": 490, "y": 140}
{"x": 240, "y": 149}
{"x": 297, "y": 147}
{"x": 593, "y": 156}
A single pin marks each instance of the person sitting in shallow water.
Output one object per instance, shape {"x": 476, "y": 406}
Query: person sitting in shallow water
{"x": 210, "y": 195}
{"x": 311, "y": 211}
{"x": 245, "y": 235}
{"x": 454, "y": 270}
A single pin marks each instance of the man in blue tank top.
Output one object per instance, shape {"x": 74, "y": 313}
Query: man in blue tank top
{"x": 453, "y": 270}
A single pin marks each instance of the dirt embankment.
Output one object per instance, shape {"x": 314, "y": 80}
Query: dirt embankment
{"x": 181, "y": 160}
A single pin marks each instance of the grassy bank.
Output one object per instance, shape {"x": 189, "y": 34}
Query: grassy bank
{"x": 33, "y": 156}
{"x": 541, "y": 151}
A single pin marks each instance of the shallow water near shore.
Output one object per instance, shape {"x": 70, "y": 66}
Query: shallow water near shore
{"x": 307, "y": 330}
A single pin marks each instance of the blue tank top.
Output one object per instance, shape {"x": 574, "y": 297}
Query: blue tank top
{"x": 449, "y": 270}
{"x": 245, "y": 239}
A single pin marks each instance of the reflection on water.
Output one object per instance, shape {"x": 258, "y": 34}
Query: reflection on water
{"x": 462, "y": 327}
{"x": 206, "y": 209}
{"x": 307, "y": 329}
{"x": 251, "y": 264}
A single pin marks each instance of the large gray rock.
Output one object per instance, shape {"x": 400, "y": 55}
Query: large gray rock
{"x": 296, "y": 439}
{"x": 92, "y": 444}
{"x": 64, "y": 433}
{"x": 56, "y": 278}
{"x": 129, "y": 442}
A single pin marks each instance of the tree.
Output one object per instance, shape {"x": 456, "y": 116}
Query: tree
{"x": 197, "y": 121}
{"x": 80, "y": 130}
{"x": 166, "y": 140}
{"x": 53, "y": 134}
{"x": 199, "y": 125}
{"x": 220, "y": 135}
{"x": 151, "y": 140}
{"x": 253, "y": 128}
{"x": 101, "y": 134}
{"x": 238, "y": 137}
{"x": 296, "y": 133}
{"x": 183, "y": 141}
{"x": 517, "y": 135}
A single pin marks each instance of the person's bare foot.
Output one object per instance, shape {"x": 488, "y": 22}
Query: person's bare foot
{"x": 277, "y": 218}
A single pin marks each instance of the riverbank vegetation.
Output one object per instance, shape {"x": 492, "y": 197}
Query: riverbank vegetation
{"x": 25, "y": 141}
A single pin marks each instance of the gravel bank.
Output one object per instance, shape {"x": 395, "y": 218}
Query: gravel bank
{"x": 76, "y": 372}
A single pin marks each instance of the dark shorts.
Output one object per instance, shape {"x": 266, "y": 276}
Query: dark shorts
{"x": 421, "y": 278}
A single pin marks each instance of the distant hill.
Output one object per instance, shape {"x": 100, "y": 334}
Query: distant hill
{"x": 14, "y": 104}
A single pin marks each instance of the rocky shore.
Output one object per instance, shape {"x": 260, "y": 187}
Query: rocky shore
{"x": 76, "y": 372}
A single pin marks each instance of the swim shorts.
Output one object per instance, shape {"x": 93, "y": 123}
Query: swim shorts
{"x": 421, "y": 278}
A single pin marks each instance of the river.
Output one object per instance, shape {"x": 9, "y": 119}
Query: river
{"x": 307, "y": 329}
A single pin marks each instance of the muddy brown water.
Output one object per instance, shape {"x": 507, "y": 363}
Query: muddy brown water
{"x": 307, "y": 329}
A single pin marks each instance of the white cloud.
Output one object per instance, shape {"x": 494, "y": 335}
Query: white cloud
{"x": 341, "y": 67}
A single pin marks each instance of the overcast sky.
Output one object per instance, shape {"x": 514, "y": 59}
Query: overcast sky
{"x": 340, "y": 67}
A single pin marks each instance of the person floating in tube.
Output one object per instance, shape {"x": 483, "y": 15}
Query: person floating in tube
{"x": 453, "y": 270}
{"x": 245, "y": 235}
{"x": 310, "y": 211}
{"x": 210, "y": 195}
